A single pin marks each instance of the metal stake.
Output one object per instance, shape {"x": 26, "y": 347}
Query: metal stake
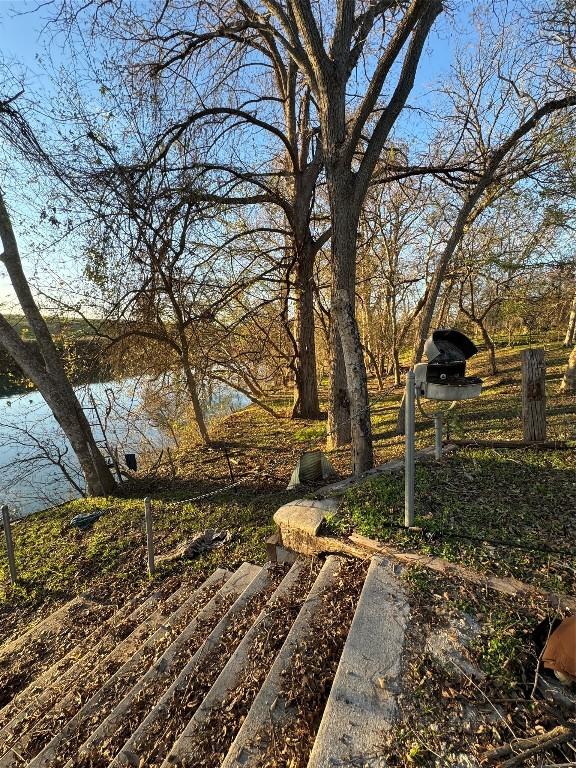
{"x": 149, "y": 536}
{"x": 438, "y": 430}
{"x": 409, "y": 468}
{"x": 9, "y": 544}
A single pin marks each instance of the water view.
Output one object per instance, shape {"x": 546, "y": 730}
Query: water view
{"x": 37, "y": 466}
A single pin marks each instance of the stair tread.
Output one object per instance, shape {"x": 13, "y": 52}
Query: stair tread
{"x": 54, "y": 620}
{"x": 50, "y": 639}
{"x": 227, "y": 667}
{"x": 153, "y": 626}
{"x": 267, "y": 705}
{"x": 91, "y": 713}
{"x": 248, "y": 581}
{"x": 45, "y": 688}
{"x": 174, "y": 700}
{"x": 362, "y": 701}
{"x": 231, "y": 674}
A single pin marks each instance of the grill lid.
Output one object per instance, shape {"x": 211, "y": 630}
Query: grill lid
{"x": 447, "y": 345}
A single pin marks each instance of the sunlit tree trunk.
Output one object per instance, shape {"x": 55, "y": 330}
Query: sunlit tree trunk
{"x": 339, "y": 432}
{"x": 568, "y": 385}
{"x": 44, "y": 367}
{"x": 570, "y": 337}
{"x": 192, "y": 387}
{"x": 306, "y": 403}
{"x": 344, "y": 221}
{"x": 490, "y": 346}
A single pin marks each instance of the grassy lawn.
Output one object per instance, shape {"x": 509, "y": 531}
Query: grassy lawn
{"x": 515, "y": 496}
{"x": 56, "y": 561}
{"x": 506, "y": 512}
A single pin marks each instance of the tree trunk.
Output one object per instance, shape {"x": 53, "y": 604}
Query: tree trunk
{"x": 339, "y": 432}
{"x": 568, "y": 385}
{"x": 192, "y": 387}
{"x": 344, "y": 221}
{"x": 392, "y": 309}
{"x": 306, "y": 403}
{"x": 570, "y": 337}
{"x": 62, "y": 401}
{"x": 196, "y": 404}
{"x": 360, "y": 424}
{"x": 490, "y": 346}
{"x": 72, "y": 419}
{"x": 46, "y": 371}
{"x": 375, "y": 367}
{"x": 445, "y": 309}
{"x": 397, "y": 370}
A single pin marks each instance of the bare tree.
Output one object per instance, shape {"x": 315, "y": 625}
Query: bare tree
{"x": 511, "y": 241}
{"x": 274, "y": 121}
{"x": 399, "y": 225}
{"x": 44, "y": 367}
{"x": 569, "y": 381}
{"x": 570, "y": 337}
{"x": 352, "y": 131}
{"x": 502, "y": 134}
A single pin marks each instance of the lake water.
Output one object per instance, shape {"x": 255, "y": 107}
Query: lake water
{"x": 31, "y": 440}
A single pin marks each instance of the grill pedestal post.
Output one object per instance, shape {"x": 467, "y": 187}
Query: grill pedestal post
{"x": 409, "y": 468}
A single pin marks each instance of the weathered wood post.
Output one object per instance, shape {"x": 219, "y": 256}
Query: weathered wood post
{"x": 9, "y": 544}
{"x": 533, "y": 395}
{"x": 149, "y": 536}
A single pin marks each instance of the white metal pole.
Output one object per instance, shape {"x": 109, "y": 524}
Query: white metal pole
{"x": 9, "y": 544}
{"x": 149, "y": 535}
{"x": 409, "y": 461}
{"x": 438, "y": 430}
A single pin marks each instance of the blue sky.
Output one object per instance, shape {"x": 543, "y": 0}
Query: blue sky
{"x": 20, "y": 32}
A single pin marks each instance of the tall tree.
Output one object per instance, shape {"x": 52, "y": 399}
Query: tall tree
{"x": 274, "y": 158}
{"x": 502, "y": 134}
{"x": 43, "y": 364}
{"x": 353, "y": 137}
{"x": 380, "y": 44}
{"x": 570, "y": 337}
{"x": 45, "y": 369}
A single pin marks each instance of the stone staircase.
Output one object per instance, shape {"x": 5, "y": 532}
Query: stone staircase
{"x": 267, "y": 666}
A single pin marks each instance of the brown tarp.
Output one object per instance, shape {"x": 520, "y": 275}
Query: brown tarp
{"x": 560, "y": 651}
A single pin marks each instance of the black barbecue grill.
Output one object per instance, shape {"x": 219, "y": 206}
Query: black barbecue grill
{"x": 444, "y": 376}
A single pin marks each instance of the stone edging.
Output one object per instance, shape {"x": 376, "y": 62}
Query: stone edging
{"x": 300, "y": 530}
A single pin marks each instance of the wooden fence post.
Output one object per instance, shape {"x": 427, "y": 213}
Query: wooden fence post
{"x": 533, "y": 395}
{"x": 9, "y": 544}
{"x": 149, "y": 535}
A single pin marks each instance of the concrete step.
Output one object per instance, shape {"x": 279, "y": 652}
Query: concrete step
{"x": 53, "y": 622}
{"x": 65, "y": 744}
{"x": 34, "y": 732}
{"x": 261, "y": 667}
{"x": 50, "y": 639}
{"x": 177, "y": 665}
{"x": 362, "y": 703}
{"x": 268, "y": 708}
{"x": 61, "y": 665}
{"x": 45, "y": 690}
{"x": 253, "y": 655}
{"x": 153, "y": 738}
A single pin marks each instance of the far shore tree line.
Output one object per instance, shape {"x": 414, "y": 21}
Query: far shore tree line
{"x": 85, "y": 361}
{"x": 263, "y": 197}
